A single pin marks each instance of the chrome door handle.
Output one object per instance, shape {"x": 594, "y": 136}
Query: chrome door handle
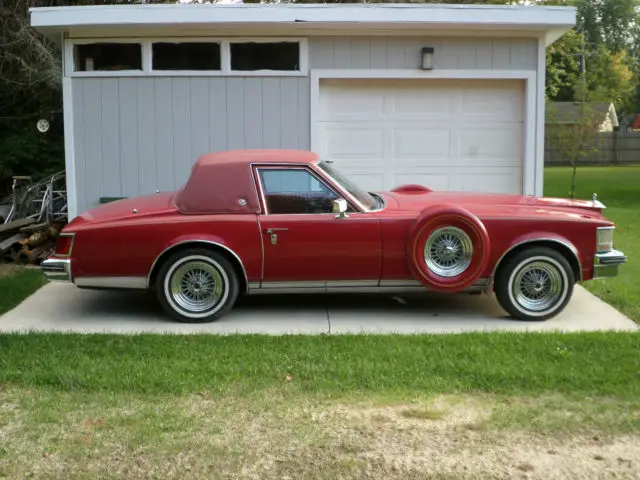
{"x": 274, "y": 236}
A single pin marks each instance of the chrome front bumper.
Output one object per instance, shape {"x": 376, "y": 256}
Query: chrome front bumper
{"x": 607, "y": 264}
{"x": 57, "y": 269}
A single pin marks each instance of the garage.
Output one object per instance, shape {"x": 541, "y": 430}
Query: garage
{"x": 451, "y": 97}
{"x": 446, "y": 134}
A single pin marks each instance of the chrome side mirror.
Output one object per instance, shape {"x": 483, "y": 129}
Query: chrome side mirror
{"x": 340, "y": 207}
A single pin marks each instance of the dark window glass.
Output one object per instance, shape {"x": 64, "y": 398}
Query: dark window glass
{"x": 108, "y": 56}
{"x": 265, "y": 56}
{"x": 186, "y": 56}
{"x": 295, "y": 191}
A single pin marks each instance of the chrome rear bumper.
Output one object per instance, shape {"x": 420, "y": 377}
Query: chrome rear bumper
{"x": 607, "y": 264}
{"x": 57, "y": 269}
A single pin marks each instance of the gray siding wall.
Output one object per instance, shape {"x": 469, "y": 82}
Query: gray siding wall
{"x": 404, "y": 52}
{"x": 135, "y": 135}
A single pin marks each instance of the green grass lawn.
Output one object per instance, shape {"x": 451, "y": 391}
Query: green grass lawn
{"x": 483, "y": 405}
{"x": 16, "y": 284}
{"x": 619, "y": 189}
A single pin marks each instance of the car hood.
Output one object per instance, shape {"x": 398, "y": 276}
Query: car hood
{"x": 141, "y": 206}
{"x": 493, "y": 202}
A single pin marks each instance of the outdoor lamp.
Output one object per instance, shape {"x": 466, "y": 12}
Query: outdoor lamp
{"x": 427, "y": 58}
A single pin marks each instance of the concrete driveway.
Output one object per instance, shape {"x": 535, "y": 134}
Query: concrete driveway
{"x": 63, "y": 307}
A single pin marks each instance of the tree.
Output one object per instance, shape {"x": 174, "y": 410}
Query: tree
{"x": 574, "y": 137}
{"x": 30, "y": 88}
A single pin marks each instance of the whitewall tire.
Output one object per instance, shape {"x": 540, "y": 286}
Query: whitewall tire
{"x": 535, "y": 284}
{"x": 197, "y": 286}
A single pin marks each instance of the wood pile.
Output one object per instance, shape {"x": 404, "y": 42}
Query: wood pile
{"x": 24, "y": 242}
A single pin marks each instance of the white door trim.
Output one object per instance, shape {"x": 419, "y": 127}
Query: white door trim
{"x": 529, "y": 183}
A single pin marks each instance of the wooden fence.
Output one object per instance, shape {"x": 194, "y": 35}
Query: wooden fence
{"x": 612, "y": 148}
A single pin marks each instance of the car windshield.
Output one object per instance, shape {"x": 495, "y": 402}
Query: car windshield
{"x": 368, "y": 200}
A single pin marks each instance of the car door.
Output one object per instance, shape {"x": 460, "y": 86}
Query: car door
{"x": 304, "y": 240}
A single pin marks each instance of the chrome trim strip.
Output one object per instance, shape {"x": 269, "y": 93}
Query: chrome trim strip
{"x": 276, "y": 285}
{"x": 208, "y": 242}
{"x": 139, "y": 283}
{"x": 607, "y": 265}
{"x": 612, "y": 257}
{"x": 351, "y": 283}
{"x": 400, "y": 283}
{"x": 542, "y": 239}
{"x": 57, "y": 270}
{"x": 353, "y": 286}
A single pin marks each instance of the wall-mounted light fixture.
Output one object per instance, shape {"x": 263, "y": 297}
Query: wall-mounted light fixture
{"x": 427, "y": 58}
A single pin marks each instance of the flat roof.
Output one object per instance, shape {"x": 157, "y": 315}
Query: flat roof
{"x": 543, "y": 20}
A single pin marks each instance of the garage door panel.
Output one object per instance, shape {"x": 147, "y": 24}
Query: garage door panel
{"x": 354, "y": 142}
{"x": 409, "y": 143}
{"x": 447, "y": 135}
{"x": 503, "y": 180}
{"x": 494, "y": 106}
{"x": 501, "y": 144}
{"x": 420, "y": 102}
{"x": 352, "y": 104}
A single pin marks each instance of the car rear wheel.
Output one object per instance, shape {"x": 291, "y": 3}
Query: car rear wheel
{"x": 535, "y": 284}
{"x": 197, "y": 286}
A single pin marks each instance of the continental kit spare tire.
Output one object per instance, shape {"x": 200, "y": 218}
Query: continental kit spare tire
{"x": 448, "y": 248}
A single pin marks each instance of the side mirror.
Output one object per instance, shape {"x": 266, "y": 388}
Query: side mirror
{"x": 340, "y": 207}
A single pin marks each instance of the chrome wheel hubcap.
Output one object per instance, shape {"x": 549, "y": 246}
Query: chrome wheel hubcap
{"x": 538, "y": 286}
{"x": 196, "y": 286}
{"x": 448, "y": 251}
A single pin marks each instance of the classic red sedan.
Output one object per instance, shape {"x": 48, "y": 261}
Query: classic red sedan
{"x": 270, "y": 221}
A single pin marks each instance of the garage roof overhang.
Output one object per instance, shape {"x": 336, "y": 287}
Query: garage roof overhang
{"x": 548, "y": 23}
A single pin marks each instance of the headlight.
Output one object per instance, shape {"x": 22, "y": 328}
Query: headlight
{"x": 605, "y": 239}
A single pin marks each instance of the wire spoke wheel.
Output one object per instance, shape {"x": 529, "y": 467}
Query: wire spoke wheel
{"x": 448, "y": 251}
{"x": 196, "y": 286}
{"x": 538, "y": 286}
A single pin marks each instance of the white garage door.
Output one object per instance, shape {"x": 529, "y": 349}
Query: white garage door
{"x": 448, "y": 135}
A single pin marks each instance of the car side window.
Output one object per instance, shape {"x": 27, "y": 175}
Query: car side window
{"x": 295, "y": 190}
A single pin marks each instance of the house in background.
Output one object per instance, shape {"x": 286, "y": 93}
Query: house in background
{"x": 569, "y": 113}
{"x": 629, "y": 122}
{"x": 449, "y": 96}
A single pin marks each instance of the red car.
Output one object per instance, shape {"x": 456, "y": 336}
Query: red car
{"x": 269, "y": 221}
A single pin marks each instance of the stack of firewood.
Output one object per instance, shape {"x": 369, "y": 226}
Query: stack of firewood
{"x": 24, "y": 242}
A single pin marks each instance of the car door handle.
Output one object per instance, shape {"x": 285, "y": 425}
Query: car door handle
{"x": 273, "y": 235}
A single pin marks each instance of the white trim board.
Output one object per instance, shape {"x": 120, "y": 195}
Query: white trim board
{"x": 541, "y": 18}
{"x": 69, "y": 148}
{"x": 529, "y": 170}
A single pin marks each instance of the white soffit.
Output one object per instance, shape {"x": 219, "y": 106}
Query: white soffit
{"x": 551, "y": 22}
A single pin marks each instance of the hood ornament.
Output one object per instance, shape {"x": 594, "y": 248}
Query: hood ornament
{"x": 597, "y": 203}
{"x": 135, "y": 210}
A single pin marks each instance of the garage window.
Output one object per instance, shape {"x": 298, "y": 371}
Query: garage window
{"x": 107, "y": 57}
{"x": 250, "y": 56}
{"x": 186, "y": 56}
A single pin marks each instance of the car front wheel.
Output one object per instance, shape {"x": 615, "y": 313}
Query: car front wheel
{"x": 197, "y": 286}
{"x": 535, "y": 284}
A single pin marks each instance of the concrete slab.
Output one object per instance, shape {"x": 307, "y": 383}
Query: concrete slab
{"x": 436, "y": 313}
{"x": 65, "y": 308}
